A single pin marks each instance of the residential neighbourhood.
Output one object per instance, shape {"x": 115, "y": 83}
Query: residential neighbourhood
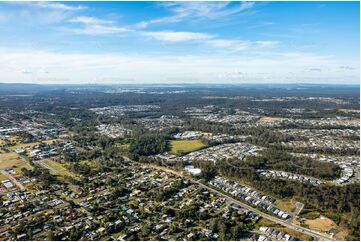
{"x": 145, "y": 172}
{"x": 180, "y": 120}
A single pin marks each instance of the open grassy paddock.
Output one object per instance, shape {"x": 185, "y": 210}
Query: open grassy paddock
{"x": 9, "y": 160}
{"x": 32, "y": 144}
{"x": 18, "y": 168}
{"x": 185, "y": 146}
{"x": 91, "y": 163}
{"x": 23, "y": 145}
{"x": 267, "y": 119}
{"x": 286, "y": 204}
{"x": 321, "y": 224}
{"x": 122, "y": 146}
{"x": 57, "y": 168}
{"x": 3, "y": 177}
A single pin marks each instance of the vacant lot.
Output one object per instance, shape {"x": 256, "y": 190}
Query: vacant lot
{"x": 321, "y": 224}
{"x": 9, "y": 160}
{"x": 267, "y": 119}
{"x": 288, "y": 205}
{"x": 23, "y": 145}
{"x": 3, "y": 177}
{"x": 318, "y": 222}
{"x": 32, "y": 144}
{"x": 91, "y": 163}
{"x": 57, "y": 168}
{"x": 179, "y": 147}
{"x": 122, "y": 146}
{"x": 18, "y": 168}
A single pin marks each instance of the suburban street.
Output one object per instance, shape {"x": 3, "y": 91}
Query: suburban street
{"x": 18, "y": 184}
{"x": 285, "y": 223}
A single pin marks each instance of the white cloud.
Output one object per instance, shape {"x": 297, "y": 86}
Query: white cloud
{"x": 266, "y": 43}
{"x": 170, "y": 19}
{"x": 209, "y": 40}
{"x": 95, "y": 26}
{"x": 38, "y": 13}
{"x": 240, "y": 45}
{"x": 97, "y": 30}
{"x": 233, "y": 45}
{"x": 58, "y": 6}
{"x": 194, "y": 10}
{"x": 89, "y": 20}
{"x": 207, "y": 9}
{"x": 173, "y": 36}
{"x": 84, "y": 68}
{"x": 50, "y": 5}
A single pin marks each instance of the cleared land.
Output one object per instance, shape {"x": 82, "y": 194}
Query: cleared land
{"x": 267, "y": 119}
{"x": 3, "y": 177}
{"x": 30, "y": 145}
{"x": 321, "y": 224}
{"x": 288, "y": 205}
{"x": 318, "y": 222}
{"x": 9, "y": 160}
{"x": 91, "y": 163}
{"x": 23, "y": 145}
{"x": 57, "y": 168}
{"x": 123, "y": 146}
{"x": 185, "y": 146}
{"x": 19, "y": 167}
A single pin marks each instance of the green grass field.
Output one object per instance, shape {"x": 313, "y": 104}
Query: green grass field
{"x": 3, "y": 177}
{"x": 179, "y": 147}
{"x": 58, "y": 168}
{"x": 9, "y": 160}
{"x": 19, "y": 167}
{"x": 23, "y": 145}
{"x": 123, "y": 146}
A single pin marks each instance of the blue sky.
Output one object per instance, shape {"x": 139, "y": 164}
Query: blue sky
{"x": 179, "y": 42}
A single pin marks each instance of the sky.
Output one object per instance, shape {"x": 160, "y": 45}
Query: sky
{"x": 179, "y": 42}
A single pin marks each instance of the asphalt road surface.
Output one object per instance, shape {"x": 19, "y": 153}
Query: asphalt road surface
{"x": 316, "y": 235}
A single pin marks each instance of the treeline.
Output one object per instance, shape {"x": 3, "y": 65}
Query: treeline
{"x": 148, "y": 145}
{"x": 279, "y": 160}
{"x": 41, "y": 174}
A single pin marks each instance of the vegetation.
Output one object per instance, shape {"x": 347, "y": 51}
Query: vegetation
{"x": 9, "y": 160}
{"x": 96, "y": 156}
{"x": 338, "y": 199}
{"x": 148, "y": 145}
